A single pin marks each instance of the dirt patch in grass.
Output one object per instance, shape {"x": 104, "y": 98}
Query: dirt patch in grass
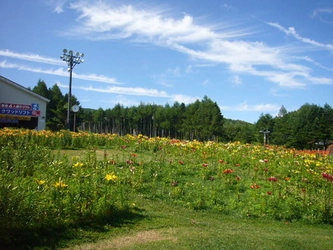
{"x": 127, "y": 241}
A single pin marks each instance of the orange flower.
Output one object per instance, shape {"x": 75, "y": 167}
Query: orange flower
{"x": 255, "y": 186}
{"x": 228, "y": 171}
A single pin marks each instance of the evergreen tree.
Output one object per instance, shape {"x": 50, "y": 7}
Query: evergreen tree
{"x": 57, "y": 110}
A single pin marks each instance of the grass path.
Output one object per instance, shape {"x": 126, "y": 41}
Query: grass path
{"x": 164, "y": 227}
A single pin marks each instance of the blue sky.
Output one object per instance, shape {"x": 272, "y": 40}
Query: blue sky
{"x": 249, "y": 56}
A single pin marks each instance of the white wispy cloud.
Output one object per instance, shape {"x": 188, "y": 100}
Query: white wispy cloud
{"x": 308, "y": 59}
{"x": 132, "y": 91}
{"x": 127, "y": 21}
{"x": 122, "y": 90}
{"x": 292, "y": 32}
{"x": 31, "y": 57}
{"x": 183, "y": 98}
{"x": 254, "y": 107}
{"x": 320, "y": 11}
{"x": 123, "y": 100}
{"x": 322, "y": 80}
{"x": 60, "y": 72}
{"x": 204, "y": 42}
{"x": 204, "y": 83}
{"x": 56, "y": 5}
{"x": 236, "y": 80}
{"x": 324, "y": 14}
{"x": 188, "y": 69}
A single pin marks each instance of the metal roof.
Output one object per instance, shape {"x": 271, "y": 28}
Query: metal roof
{"x": 28, "y": 91}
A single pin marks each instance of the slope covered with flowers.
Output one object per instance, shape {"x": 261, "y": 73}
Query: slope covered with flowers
{"x": 43, "y": 184}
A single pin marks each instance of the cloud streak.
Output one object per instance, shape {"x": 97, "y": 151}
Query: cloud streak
{"x": 204, "y": 42}
{"x": 59, "y": 72}
{"x": 31, "y": 57}
{"x": 136, "y": 92}
{"x": 253, "y": 108}
{"x": 291, "y": 31}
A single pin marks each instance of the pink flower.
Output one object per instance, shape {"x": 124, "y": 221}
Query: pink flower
{"x": 205, "y": 165}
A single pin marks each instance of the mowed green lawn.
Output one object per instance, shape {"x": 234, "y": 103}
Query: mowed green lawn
{"x": 156, "y": 225}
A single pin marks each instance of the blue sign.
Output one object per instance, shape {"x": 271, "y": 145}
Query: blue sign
{"x": 6, "y": 111}
{"x": 35, "y": 106}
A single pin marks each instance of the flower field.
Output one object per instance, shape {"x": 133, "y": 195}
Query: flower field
{"x": 58, "y": 179}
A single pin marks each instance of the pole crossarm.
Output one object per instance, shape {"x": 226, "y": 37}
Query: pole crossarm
{"x": 71, "y": 58}
{"x": 265, "y": 132}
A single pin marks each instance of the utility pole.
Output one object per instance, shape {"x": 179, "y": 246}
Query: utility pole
{"x": 72, "y": 60}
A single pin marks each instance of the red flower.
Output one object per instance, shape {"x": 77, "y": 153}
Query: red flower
{"x": 205, "y": 165}
{"x": 327, "y": 176}
{"x": 273, "y": 179}
{"x": 269, "y": 192}
{"x": 220, "y": 161}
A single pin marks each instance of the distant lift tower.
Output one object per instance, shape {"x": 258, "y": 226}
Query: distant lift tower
{"x": 265, "y": 132}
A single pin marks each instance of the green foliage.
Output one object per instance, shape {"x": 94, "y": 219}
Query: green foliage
{"x": 309, "y": 127}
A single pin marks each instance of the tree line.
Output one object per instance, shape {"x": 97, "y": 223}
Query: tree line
{"x": 309, "y": 127}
